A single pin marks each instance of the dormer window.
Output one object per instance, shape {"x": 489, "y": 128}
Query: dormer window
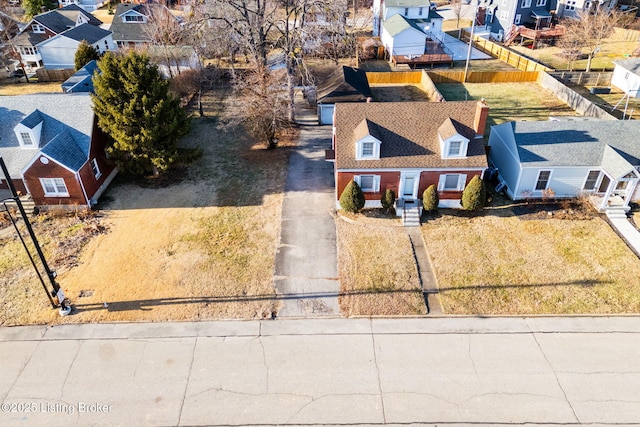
{"x": 37, "y": 28}
{"x": 454, "y": 149}
{"x": 367, "y": 141}
{"x": 367, "y": 149}
{"x": 26, "y": 139}
{"x": 133, "y": 18}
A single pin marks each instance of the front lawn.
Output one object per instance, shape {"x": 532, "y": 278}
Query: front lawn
{"x": 510, "y": 265}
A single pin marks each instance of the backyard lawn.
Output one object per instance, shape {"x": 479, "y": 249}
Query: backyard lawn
{"x": 508, "y": 101}
{"x": 501, "y": 263}
{"x": 11, "y": 87}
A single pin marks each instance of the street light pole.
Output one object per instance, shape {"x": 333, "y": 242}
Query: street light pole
{"x": 63, "y": 303}
{"x": 473, "y": 26}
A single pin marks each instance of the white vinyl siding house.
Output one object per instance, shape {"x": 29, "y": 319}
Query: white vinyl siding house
{"x": 402, "y": 39}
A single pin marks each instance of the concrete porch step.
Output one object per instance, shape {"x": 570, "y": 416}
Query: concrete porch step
{"x": 617, "y": 213}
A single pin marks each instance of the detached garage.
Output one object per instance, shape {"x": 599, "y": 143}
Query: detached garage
{"x": 347, "y": 84}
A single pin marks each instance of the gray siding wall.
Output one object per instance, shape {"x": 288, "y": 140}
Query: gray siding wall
{"x": 565, "y": 181}
{"x": 503, "y": 158}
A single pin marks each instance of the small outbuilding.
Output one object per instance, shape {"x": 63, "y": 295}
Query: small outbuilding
{"x": 626, "y": 76}
{"x": 346, "y": 84}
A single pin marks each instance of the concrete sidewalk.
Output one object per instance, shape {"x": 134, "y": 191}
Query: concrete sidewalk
{"x": 624, "y": 228}
{"x": 485, "y": 371}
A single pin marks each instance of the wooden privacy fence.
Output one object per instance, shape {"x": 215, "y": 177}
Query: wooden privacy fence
{"x": 582, "y": 78}
{"x": 45, "y": 75}
{"x": 396, "y": 77}
{"x": 446, "y": 76}
{"x": 626, "y": 35}
{"x": 506, "y": 55}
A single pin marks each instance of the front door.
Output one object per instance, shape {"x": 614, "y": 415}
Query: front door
{"x": 407, "y": 189}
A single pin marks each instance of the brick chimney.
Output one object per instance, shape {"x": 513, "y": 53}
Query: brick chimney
{"x": 480, "y": 120}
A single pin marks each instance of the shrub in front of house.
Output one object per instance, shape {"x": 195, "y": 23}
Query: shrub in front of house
{"x": 387, "y": 200}
{"x": 474, "y": 195}
{"x": 352, "y": 198}
{"x": 430, "y": 199}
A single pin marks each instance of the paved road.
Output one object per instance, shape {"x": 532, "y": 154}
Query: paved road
{"x": 487, "y": 371}
{"x": 306, "y": 263}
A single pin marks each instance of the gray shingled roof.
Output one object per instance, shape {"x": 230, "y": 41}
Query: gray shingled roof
{"x": 60, "y": 20}
{"x": 86, "y": 32}
{"x": 632, "y": 65}
{"x": 346, "y": 84}
{"x": 82, "y": 80}
{"x": 32, "y": 119}
{"x": 409, "y": 134}
{"x": 133, "y": 31}
{"x": 67, "y": 150}
{"x": 70, "y": 113}
{"x": 577, "y": 143}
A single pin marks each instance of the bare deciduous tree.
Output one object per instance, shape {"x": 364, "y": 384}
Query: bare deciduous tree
{"x": 589, "y": 30}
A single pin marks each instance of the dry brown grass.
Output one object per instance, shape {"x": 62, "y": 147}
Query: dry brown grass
{"x": 398, "y": 93}
{"x": 201, "y": 248}
{"x": 377, "y": 272}
{"x": 10, "y": 87}
{"x": 505, "y": 265}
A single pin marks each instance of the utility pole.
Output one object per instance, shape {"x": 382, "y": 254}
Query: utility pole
{"x": 473, "y": 26}
{"x": 58, "y": 293}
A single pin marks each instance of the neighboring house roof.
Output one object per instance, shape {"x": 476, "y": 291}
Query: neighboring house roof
{"x": 346, "y": 84}
{"x": 64, "y": 116}
{"x": 134, "y": 31}
{"x": 632, "y": 65}
{"x": 82, "y": 80}
{"x": 578, "y": 143}
{"x": 57, "y": 21}
{"x": 407, "y": 3}
{"x": 409, "y": 134}
{"x": 398, "y": 23}
{"x": 60, "y": 20}
{"x": 86, "y": 32}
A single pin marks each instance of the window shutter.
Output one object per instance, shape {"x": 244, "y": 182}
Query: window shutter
{"x": 441, "y": 182}
{"x": 356, "y": 178}
{"x": 462, "y": 180}
{"x": 376, "y": 183}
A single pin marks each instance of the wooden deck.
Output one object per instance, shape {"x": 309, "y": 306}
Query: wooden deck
{"x": 434, "y": 54}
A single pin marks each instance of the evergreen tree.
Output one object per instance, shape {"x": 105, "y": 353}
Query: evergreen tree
{"x": 352, "y": 198}
{"x": 430, "y": 199}
{"x": 387, "y": 200}
{"x": 474, "y": 195}
{"x": 135, "y": 109}
{"x": 36, "y": 7}
{"x": 85, "y": 54}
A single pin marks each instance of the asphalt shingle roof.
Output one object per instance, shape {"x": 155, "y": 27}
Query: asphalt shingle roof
{"x": 632, "y": 65}
{"x": 346, "y": 84}
{"x": 86, "y": 32}
{"x": 578, "y": 143}
{"x": 61, "y": 113}
{"x": 409, "y": 134}
{"x": 82, "y": 80}
{"x": 134, "y": 31}
{"x": 398, "y": 23}
{"x": 60, "y": 20}
{"x": 32, "y": 119}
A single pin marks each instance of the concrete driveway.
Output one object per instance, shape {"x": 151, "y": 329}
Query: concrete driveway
{"x": 306, "y": 263}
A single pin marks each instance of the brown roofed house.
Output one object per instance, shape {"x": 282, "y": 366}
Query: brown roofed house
{"x": 407, "y": 146}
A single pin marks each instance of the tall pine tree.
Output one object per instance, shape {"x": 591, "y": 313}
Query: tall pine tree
{"x": 135, "y": 109}
{"x": 85, "y": 54}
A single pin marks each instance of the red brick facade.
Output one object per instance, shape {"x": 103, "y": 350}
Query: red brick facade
{"x": 391, "y": 180}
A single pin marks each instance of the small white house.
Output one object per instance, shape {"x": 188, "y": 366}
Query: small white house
{"x": 568, "y": 158}
{"x": 412, "y": 9}
{"x": 626, "y": 76}
{"x": 402, "y": 37}
{"x": 87, "y": 5}
{"x": 58, "y": 52}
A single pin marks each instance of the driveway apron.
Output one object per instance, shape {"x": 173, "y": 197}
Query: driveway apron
{"x": 306, "y": 263}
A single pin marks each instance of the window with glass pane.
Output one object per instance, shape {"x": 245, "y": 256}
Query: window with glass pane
{"x": 592, "y": 180}
{"x": 451, "y": 182}
{"x": 543, "y": 180}
{"x": 49, "y": 188}
{"x": 54, "y": 187}
{"x": 367, "y": 149}
{"x": 454, "y": 148}
{"x": 60, "y": 186}
{"x": 26, "y": 138}
{"x": 366, "y": 182}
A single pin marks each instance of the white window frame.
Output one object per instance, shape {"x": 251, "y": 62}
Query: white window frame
{"x": 525, "y": 4}
{"x": 461, "y": 182}
{"x": 571, "y": 5}
{"x": 97, "y": 173}
{"x": 57, "y": 185}
{"x": 540, "y": 3}
{"x": 459, "y": 152}
{"x": 38, "y": 28}
{"x": 535, "y": 187}
{"x": 130, "y": 18}
{"x": 517, "y": 19}
{"x": 420, "y": 11}
{"x": 27, "y": 140}
{"x": 366, "y": 153}
{"x": 504, "y": 15}
{"x": 406, "y": 11}
{"x": 375, "y": 180}
{"x": 596, "y": 182}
